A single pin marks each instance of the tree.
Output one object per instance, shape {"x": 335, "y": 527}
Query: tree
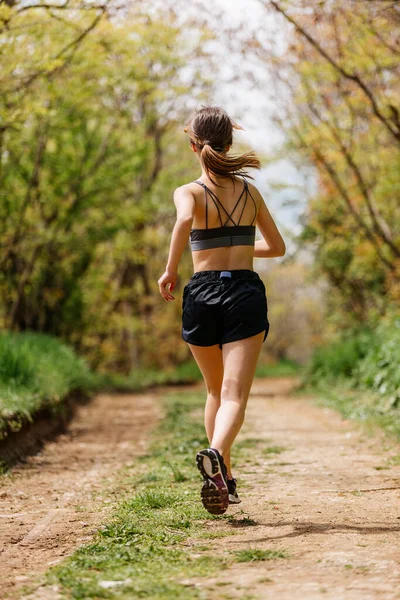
{"x": 339, "y": 82}
{"x": 90, "y": 104}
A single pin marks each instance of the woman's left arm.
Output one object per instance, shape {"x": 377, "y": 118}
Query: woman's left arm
{"x": 184, "y": 202}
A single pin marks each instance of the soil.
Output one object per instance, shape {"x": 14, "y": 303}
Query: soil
{"x": 54, "y": 501}
{"x": 329, "y": 499}
{"x": 45, "y": 424}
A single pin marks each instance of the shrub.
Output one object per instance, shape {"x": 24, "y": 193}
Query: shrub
{"x": 339, "y": 359}
{"x": 379, "y": 369}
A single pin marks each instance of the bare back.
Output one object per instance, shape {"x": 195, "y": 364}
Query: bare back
{"x": 227, "y": 257}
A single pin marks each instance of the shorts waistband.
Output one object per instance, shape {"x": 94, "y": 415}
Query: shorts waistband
{"x": 232, "y": 274}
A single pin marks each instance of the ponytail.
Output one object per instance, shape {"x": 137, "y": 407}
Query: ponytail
{"x": 220, "y": 164}
{"x": 211, "y": 130}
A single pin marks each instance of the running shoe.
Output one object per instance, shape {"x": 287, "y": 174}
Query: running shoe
{"x": 233, "y": 495}
{"x": 214, "y": 493}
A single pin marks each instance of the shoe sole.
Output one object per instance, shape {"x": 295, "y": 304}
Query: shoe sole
{"x": 214, "y": 493}
{"x": 234, "y": 500}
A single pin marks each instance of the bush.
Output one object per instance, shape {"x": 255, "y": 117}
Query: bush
{"x": 379, "y": 369}
{"x": 339, "y": 359}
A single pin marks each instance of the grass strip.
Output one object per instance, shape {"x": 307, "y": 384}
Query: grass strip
{"x": 364, "y": 406}
{"x": 158, "y": 536}
{"x": 255, "y": 554}
{"x": 282, "y": 368}
{"x": 158, "y": 532}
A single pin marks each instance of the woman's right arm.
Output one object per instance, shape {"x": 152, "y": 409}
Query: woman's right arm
{"x": 272, "y": 243}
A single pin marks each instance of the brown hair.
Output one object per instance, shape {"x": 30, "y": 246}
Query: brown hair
{"x": 211, "y": 130}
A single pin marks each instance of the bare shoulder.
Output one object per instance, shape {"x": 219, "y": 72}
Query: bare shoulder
{"x": 187, "y": 189}
{"x": 263, "y": 214}
{"x": 255, "y": 193}
{"x": 184, "y": 201}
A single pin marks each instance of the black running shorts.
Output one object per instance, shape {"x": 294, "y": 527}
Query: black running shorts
{"x": 223, "y": 306}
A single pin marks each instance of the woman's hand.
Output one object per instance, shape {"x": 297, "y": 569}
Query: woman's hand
{"x": 166, "y": 284}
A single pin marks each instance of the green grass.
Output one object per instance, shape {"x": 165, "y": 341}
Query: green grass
{"x": 249, "y": 443}
{"x": 157, "y": 536}
{"x": 359, "y": 375}
{"x": 187, "y": 372}
{"x": 252, "y": 555}
{"x": 242, "y": 448}
{"x": 145, "y": 544}
{"x": 39, "y": 371}
{"x": 365, "y": 406}
{"x": 273, "y": 450}
{"x": 280, "y": 369}
{"x": 36, "y": 370}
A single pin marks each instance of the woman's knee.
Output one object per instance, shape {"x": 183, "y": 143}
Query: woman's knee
{"x": 233, "y": 389}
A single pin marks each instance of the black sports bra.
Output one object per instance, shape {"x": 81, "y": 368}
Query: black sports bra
{"x": 232, "y": 235}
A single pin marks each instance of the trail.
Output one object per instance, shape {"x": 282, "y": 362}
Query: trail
{"x": 329, "y": 497}
{"x": 53, "y": 503}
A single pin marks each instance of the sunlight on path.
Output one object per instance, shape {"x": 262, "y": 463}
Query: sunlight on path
{"x": 317, "y": 487}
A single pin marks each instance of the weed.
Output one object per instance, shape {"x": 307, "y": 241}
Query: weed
{"x": 248, "y": 443}
{"x": 273, "y": 450}
{"x": 250, "y": 555}
{"x": 178, "y": 475}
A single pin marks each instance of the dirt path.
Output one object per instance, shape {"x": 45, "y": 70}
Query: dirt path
{"x": 53, "y": 503}
{"x": 329, "y": 497}
{"x": 330, "y": 500}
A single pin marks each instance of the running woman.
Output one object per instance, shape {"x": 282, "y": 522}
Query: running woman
{"x": 224, "y": 304}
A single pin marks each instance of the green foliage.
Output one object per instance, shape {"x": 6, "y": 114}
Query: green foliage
{"x": 342, "y": 102}
{"x": 273, "y": 450}
{"x": 187, "y": 372}
{"x": 339, "y": 358}
{"x": 360, "y": 375}
{"x": 281, "y": 368}
{"x": 91, "y": 107}
{"x": 379, "y": 369}
{"x": 37, "y": 370}
{"x": 368, "y": 358}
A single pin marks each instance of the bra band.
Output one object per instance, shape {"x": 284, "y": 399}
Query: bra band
{"x": 220, "y": 242}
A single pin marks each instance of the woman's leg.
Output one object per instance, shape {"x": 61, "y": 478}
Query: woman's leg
{"x": 209, "y": 360}
{"x": 239, "y": 365}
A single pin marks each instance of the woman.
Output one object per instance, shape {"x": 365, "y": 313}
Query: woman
{"x": 224, "y": 319}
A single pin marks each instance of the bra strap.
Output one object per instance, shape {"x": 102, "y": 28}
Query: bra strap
{"x": 205, "y": 197}
{"x": 245, "y": 202}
